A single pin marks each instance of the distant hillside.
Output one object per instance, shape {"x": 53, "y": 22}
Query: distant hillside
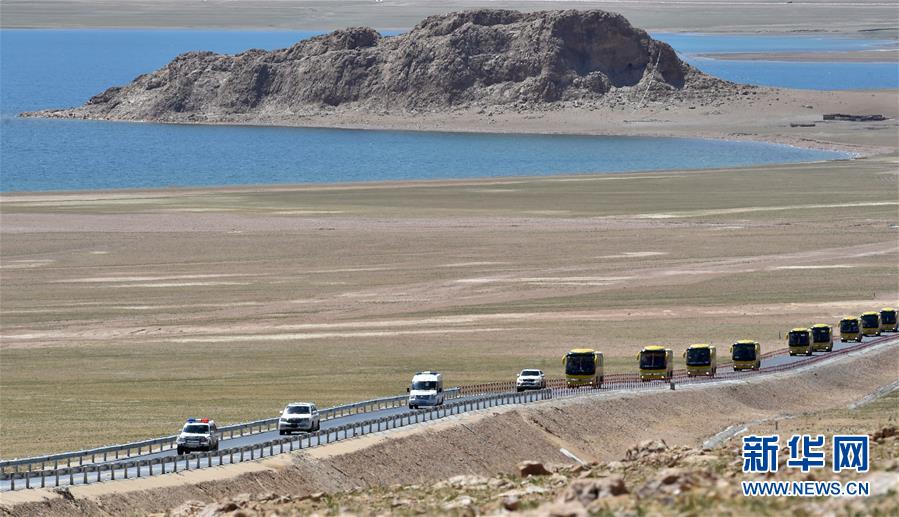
{"x": 483, "y": 57}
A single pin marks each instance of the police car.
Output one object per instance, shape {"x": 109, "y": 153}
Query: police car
{"x": 198, "y": 434}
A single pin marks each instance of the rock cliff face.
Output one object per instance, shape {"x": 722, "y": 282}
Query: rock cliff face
{"x": 483, "y": 57}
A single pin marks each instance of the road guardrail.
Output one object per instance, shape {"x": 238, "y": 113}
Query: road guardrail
{"x": 94, "y": 472}
{"x": 139, "y": 448}
{"x": 85, "y": 474}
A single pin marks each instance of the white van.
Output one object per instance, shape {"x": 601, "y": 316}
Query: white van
{"x": 426, "y": 390}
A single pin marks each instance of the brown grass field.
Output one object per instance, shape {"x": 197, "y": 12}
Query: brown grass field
{"x": 125, "y": 312}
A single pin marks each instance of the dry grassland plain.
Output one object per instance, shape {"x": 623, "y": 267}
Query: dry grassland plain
{"x": 125, "y": 312}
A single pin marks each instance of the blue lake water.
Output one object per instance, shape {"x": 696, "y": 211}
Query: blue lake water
{"x": 60, "y": 68}
{"x": 691, "y": 43}
{"x": 785, "y": 74}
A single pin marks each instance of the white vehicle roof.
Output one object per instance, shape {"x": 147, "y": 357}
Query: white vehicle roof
{"x": 538, "y": 370}
{"x": 209, "y": 423}
{"x": 295, "y": 404}
{"x": 427, "y": 376}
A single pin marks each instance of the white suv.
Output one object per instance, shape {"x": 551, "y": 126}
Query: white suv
{"x": 530, "y": 379}
{"x": 198, "y": 434}
{"x": 299, "y": 416}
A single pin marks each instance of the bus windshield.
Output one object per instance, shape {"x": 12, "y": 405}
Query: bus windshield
{"x": 821, "y": 334}
{"x": 652, "y": 359}
{"x": 580, "y": 364}
{"x": 798, "y": 339}
{"x": 870, "y": 320}
{"x": 744, "y": 352}
{"x": 849, "y": 326}
{"x": 888, "y": 317}
{"x": 699, "y": 357}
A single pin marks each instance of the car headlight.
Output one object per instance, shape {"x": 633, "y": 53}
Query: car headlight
{"x": 180, "y": 439}
{"x": 204, "y": 439}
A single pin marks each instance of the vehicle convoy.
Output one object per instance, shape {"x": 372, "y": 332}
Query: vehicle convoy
{"x": 656, "y": 363}
{"x": 870, "y": 323}
{"x": 799, "y": 341}
{"x": 701, "y": 360}
{"x": 583, "y": 367}
{"x": 299, "y": 416}
{"x": 850, "y": 329}
{"x": 888, "y": 320}
{"x": 530, "y": 379}
{"x": 822, "y": 338}
{"x": 198, "y": 434}
{"x": 746, "y": 355}
{"x": 426, "y": 390}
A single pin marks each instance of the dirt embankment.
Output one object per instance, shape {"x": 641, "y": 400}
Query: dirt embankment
{"x": 599, "y": 428}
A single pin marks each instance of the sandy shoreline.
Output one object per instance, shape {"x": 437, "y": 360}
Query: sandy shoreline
{"x": 779, "y": 116}
{"x": 859, "y": 56}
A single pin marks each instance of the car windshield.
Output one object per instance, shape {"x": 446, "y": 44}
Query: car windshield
{"x": 298, "y": 410}
{"x": 530, "y": 373}
{"x": 580, "y": 364}
{"x": 821, "y": 334}
{"x": 744, "y": 352}
{"x": 870, "y": 320}
{"x": 849, "y": 326}
{"x": 888, "y": 317}
{"x": 196, "y": 429}
{"x": 699, "y": 357}
{"x": 652, "y": 359}
{"x": 798, "y": 338}
{"x": 424, "y": 385}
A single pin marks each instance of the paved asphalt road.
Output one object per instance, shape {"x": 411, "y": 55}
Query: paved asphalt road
{"x": 258, "y": 438}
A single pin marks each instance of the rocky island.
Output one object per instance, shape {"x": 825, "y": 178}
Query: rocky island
{"x": 493, "y": 59}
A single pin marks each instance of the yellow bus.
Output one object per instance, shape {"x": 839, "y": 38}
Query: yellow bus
{"x": 822, "y": 338}
{"x": 746, "y": 355}
{"x": 656, "y": 363}
{"x": 888, "y": 320}
{"x": 701, "y": 359}
{"x": 800, "y": 341}
{"x": 583, "y": 367}
{"x": 870, "y": 323}
{"x": 850, "y": 329}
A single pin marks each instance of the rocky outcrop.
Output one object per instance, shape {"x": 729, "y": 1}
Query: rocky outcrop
{"x": 482, "y": 57}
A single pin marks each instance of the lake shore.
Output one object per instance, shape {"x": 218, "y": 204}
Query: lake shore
{"x": 855, "y": 56}
{"x": 782, "y": 116}
{"x": 773, "y": 16}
